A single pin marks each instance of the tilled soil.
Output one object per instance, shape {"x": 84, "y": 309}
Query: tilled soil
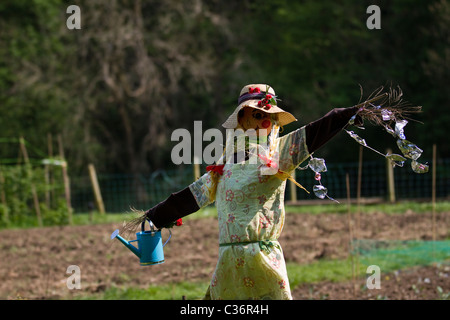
{"x": 34, "y": 262}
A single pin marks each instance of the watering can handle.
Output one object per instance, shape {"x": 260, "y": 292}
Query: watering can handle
{"x": 152, "y": 226}
{"x": 170, "y": 236}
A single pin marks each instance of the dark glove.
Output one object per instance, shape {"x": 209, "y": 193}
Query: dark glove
{"x": 176, "y": 206}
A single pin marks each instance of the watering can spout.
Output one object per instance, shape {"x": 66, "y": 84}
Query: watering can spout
{"x": 127, "y": 243}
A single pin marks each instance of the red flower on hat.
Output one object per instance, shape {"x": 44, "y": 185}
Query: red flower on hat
{"x": 266, "y": 102}
{"x": 254, "y": 90}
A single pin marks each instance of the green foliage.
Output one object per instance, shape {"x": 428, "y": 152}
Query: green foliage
{"x": 192, "y": 60}
{"x": 55, "y": 217}
{"x": 18, "y": 209}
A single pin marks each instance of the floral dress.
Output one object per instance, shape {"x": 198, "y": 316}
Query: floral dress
{"x": 250, "y": 208}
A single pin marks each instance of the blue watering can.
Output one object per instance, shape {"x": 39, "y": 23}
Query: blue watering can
{"x": 150, "y": 247}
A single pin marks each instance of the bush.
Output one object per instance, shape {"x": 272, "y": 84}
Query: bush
{"x": 16, "y": 186}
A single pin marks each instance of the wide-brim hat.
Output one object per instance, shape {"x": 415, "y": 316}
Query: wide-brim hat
{"x": 262, "y": 97}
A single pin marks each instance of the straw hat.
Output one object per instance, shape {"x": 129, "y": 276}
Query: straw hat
{"x": 262, "y": 97}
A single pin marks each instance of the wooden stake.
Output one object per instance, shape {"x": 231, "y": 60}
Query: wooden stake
{"x": 390, "y": 177}
{"x": 37, "y": 208}
{"x": 196, "y": 168}
{"x": 3, "y": 197}
{"x": 96, "y": 187}
{"x": 66, "y": 179}
{"x": 350, "y": 231}
{"x": 350, "y": 228}
{"x": 49, "y": 195}
{"x": 293, "y": 188}
{"x": 358, "y": 200}
{"x": 433, "y": 192}
{"x": 358, "y": 192}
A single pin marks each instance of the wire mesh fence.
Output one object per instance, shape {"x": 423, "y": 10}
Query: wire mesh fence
{"x": 120, "y": 192}
{"x": 33, "y": 184}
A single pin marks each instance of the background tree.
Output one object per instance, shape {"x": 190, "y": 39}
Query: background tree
{"x": 137, "y": 70}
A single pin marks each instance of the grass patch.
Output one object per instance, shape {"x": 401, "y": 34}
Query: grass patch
{"x": 332, "y": 270}
{"x": 322, "y": 270}
{"x": 172, "y": 291}
{"x": 389, "y": 208}
{"x": 84, "y": 218}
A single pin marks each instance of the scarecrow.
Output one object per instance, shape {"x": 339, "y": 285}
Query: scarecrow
{"x": 248, "y": 186}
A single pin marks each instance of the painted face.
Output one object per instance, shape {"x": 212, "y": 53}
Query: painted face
{"x": 251, "y": 118}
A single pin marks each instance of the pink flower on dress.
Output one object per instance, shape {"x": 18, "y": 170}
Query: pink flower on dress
{"x": 229, "y": 195}
{"x": 228, "y": 174}
{"x": 264, "y": 222}
{"x": 248, "y": 282}
{"x": 231, "y": 218}
{"x": 276, "y": 262}
{"x": 239, "y": 262}
{"x": 262, "y": 199}
{"x": 282, "y": 284}
{"x": 263, "y": 178}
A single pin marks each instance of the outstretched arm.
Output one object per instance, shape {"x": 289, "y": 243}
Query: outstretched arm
{"x": 322, "y": 130}
{"x": 183, "y": 203}
{"x": 176, "y": 206}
